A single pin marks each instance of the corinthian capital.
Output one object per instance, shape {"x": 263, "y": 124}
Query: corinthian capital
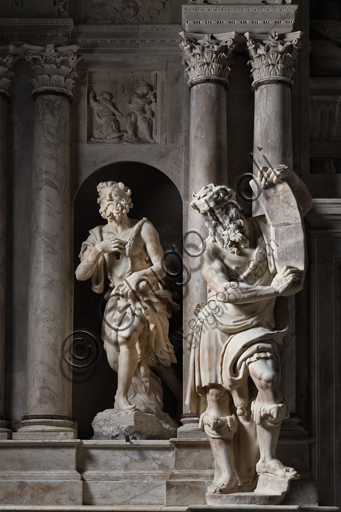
{"x": 273, "y": 57}
{"x": 53, "y": 68}
{"x": 7, "y": 61}
{"x": 207, "y": 58}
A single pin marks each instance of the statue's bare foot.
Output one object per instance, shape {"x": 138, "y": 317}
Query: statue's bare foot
{"x": 123, "y": 404}
{"x": 226, "y": 484}
{"x": 275, "y": 468}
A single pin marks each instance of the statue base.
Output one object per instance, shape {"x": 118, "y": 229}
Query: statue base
{"x": 270, "y": 490}
{"x": 244, "y": 498}
{"x": 130, "y": 425}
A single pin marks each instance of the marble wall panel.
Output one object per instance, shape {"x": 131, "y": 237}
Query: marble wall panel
{"x": 40, "y": 493}
{"x": 48, "y": 456}
{"x": 130, "y": 493}
{"x": 117, "y": 456}
{"x": 325, "y": 239}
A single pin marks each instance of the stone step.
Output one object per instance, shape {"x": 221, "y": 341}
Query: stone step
{"x": 198, "y": 508}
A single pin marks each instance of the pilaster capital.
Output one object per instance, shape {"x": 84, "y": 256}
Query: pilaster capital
{"x": 53, "y": 68}
{"x": 207, "y": 58}
{"x": 7, "y": 61}
{"x": 273, "y": 56}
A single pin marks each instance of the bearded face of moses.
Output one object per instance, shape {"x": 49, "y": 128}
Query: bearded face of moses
{"x": 225, "y": 220}
{"x": 114, "y": 200}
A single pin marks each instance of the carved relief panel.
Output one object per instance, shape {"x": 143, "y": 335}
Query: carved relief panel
{"x": 123, "y": 11}
{"x": 124, "y": 107}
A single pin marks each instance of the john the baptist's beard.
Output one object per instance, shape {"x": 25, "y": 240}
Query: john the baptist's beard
{"x": 112, "y": 210}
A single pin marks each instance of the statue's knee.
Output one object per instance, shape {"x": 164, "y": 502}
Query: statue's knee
{"x": 218, "y": 427}
{"x": 217, "y": 394}
{"x": 269, "y": 379}
{"x": 270, "y": 415}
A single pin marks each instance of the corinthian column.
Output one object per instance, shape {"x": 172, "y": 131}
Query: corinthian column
{"x": 207, "y": 61}
{"x": 7, "y": 60}
{"x": 273, "y": 61}
{"x": 49, "y": 304}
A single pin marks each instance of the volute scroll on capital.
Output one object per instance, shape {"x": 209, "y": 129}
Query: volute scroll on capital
{"x": 207, "y": 58}
{"x": 273, "y": 57}
{"x": 7, "y": 61}
{"x": 53, "y": 68}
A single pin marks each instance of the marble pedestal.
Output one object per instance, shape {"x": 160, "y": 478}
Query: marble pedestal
{"x": 125, "y": 473}
{"x": 194, "y": 470}
{"x": 143, "y": 475}
{"x": 35, "y": 473}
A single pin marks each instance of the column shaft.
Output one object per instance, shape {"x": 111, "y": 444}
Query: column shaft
{"x": 273, "y": 124}
{"x": 48, "y": 378}
{"x": 207, "y": 164}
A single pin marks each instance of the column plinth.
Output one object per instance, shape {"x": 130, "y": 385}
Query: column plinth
{"x": 7, "y": 61}
{"x": 49, "y": 378}
{"x": 207, "y": 61}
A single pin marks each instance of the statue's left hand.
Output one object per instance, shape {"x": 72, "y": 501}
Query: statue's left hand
{"x": 270, "y": 177}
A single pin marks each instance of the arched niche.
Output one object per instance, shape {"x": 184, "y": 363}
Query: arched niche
{"x": 154, "y": 196}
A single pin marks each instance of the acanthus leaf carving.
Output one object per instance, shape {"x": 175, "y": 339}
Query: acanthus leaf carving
{"x": 274, "y": 57}
{"x": 7, "y": 61}
{"x": 53, "y": 68}
{"x": 207, "y": 58}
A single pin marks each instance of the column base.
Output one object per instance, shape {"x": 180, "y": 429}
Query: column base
{"x": 42, "y": 428}
{"x": 5, "y": 431}
{"x": 190, "y": 428}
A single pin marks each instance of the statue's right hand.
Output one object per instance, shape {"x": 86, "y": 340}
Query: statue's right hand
{"x": 111, "y": 245}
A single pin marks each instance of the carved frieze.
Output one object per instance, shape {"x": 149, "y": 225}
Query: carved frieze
{"x": 273, "y": 57}
{"x": 123, "y": 108}
{"x": 207, "y": 58}
{"x": 124, "y": 11}
{"x": 53, "y": 68}
{"x": 260, "y": 19}
{"x": 7, "y": 61}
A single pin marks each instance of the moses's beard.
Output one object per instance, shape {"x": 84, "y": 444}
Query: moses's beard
{"x": 230, "y": 231}
{"x": 112, "y": 210}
